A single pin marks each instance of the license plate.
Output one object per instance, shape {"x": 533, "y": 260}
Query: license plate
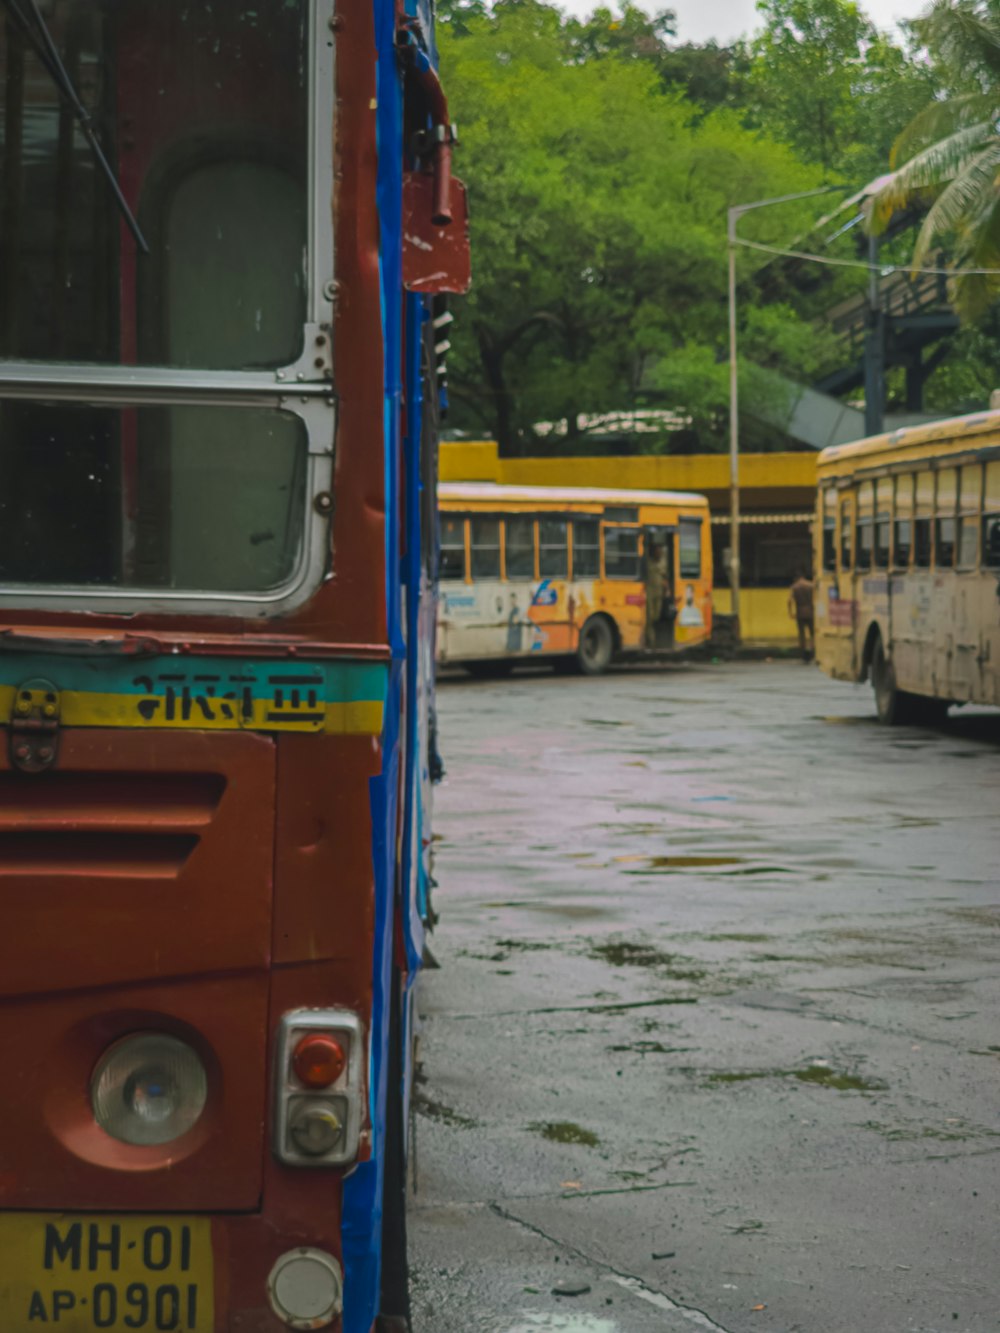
{"x": 70, "y": 1273}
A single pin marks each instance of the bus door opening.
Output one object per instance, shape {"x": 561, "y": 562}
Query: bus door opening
{"x": 658, "y": 575}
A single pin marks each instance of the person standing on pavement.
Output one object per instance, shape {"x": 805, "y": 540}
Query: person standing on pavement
{"x": 800, "y": 608}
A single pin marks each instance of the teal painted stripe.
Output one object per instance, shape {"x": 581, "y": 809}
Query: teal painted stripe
{"x": 333, "y": 682}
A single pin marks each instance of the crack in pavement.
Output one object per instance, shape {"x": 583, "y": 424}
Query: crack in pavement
{"x": 628, "y": 1281}
{"x": 605, "y": 1008}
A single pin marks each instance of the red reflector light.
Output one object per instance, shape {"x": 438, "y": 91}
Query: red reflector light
{"x": 318, "y": 1060}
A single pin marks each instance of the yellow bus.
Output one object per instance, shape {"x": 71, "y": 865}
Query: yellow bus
{"x": 907, "y": 565}
{"x": 578, "y": 575}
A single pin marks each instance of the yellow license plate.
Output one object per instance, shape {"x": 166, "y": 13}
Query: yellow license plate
{"x": 70, "y": 1273}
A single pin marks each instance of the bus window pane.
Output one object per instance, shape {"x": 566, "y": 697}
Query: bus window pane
{"x": 970, "y": 489}
{"x": 991, "y": 516}
{"x": 586, "y": 548}
{"x": 883, "y": 522}
{"x": 968, "y": 541}
{"x": 621, "y": 553}
{"x": 924, "y": 501}
{"x": 520, "y": 548}
{"x": 452, "y": 547}
{"x": 690, "y": 548}
{"x": 866, "y": 525}
{"x": 485, "y": 548}
{"x": 553, "y": 555}
{"x": 829, "y": 528}
{"x": 903, "y": 527}
{"x": 845, "y": 536}
{"x": 945, "y": 536}
{"x": 947, "y": 490}
{"x": 213, "y": 162}
{"x": 144, "y": 497}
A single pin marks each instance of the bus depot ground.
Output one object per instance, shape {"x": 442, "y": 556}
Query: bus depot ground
{"x": 713, "y": 1043}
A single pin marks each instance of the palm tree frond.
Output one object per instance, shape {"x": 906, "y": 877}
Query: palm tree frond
{"x": 970, "y": 195}
{"x": 939, "y": 162}
{"x": 940, "y": 120}
{"x": 961, "y": 37}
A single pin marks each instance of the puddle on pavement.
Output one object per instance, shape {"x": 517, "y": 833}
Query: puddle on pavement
{"x": 679, "y": 862}
{"x": 650, "y": 1048}
{"x": 820, "y": 1075}
{"x": 628, "y": 953}
{"x": 444, "y": 1115}
{"x": 565, "y": 1131}
{"x": 566, "y": 1323}
{"x": 738, "y": 939}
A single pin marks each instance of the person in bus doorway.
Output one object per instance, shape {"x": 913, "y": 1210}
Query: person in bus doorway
{"x": 800, "y": 608}
{"x": 656, "y": 585}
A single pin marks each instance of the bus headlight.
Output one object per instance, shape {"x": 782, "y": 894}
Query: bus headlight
{"x": 148, "y": 1088}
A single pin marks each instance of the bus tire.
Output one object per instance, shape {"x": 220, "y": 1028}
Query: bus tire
{"x": 596, "y": 646}
{"x": 394, "y": 1305}
{"x": 895, "y": 707}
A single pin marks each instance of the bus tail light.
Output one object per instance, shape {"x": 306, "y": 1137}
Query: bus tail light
{"x": 318, "y": 1088}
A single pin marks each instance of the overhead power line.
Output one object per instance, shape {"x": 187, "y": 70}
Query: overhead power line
{"x": 884, "y": 269}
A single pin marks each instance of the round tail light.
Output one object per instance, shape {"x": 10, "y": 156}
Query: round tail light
{"x": 318, "y": 1060}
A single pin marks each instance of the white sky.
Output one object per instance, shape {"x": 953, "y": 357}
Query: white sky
{"x": 698, "y": 20}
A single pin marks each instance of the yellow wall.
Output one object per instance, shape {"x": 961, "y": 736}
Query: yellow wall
{"x": 477, "y": 460}
{"x": 764, "y": 615}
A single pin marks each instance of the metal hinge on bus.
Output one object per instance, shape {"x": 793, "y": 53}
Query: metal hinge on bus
{"x": 34, "y": 726}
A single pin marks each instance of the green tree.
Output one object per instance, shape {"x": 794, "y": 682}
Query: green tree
{"x": 950, "y": 153}
{"x": 598, "y": 202}
{"x": 824, "y": 79}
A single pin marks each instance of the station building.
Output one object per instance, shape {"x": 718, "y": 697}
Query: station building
{"x": 777, "y": 503}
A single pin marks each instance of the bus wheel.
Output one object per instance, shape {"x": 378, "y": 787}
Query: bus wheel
{"x": 596, "y": 647}
{"x": 394, "y": 1316}
{"x": 889, "y": 702}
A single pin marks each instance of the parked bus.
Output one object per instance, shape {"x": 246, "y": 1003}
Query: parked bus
{"x": 908, "y": 560}
{"x": 216, "y": 629}
{"x": 580, "y": 575}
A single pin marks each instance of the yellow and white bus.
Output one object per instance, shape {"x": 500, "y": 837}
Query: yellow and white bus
{"x": 573, "y": 574}
{"x": 907, "y": 566}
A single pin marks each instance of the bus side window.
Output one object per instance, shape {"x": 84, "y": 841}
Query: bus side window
{"x": 924, "y": 507}
{"x": 689, "y": 541}
{"x": 452, "y": 547}
{"x": 991, "y": 516}
{"x": 520, "y": 548}
{"x": 829, "y": 534}
{"x": 845, "y": 534}
{"x": 484, "y": 547}
{"x": 883, "y": 522}
{"x": 865, "y": 525}
{"x": 902, "y": 537}
{"x": 621, "y": 553}
{"x": 944, "y": 531}
{"x": 553, "y": 551}
{"x": 586, "y": 548}
{"x": 970, "y": 496}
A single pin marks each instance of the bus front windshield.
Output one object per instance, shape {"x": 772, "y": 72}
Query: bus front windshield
{"x": 201, "y": 112}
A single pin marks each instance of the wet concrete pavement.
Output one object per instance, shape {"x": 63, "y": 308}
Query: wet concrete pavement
{"x": 715, "y": 1030}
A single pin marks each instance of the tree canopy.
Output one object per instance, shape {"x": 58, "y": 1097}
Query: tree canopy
{"x": 601, "y": 157}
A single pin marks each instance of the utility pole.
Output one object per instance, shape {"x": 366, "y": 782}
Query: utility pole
{"x": 733, "y": 215}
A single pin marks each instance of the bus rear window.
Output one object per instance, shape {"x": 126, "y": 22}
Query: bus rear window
{"x": 199, "y": 499}
{"x": 689, "y": 540}
{"x": 202, "y": 113}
